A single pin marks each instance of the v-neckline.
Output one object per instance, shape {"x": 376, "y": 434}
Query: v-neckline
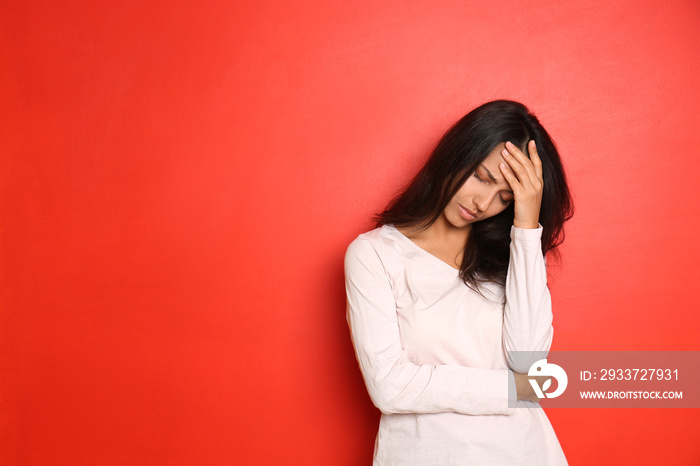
{"x": 432, "y": 256}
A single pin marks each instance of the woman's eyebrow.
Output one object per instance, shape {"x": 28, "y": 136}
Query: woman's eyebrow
{"x": 491, "y": 176}
{"x": 489, "y": 173}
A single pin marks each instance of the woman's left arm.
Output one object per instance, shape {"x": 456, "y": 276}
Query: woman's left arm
{"x": 527, "y": 320}
{"x": 527, "y": 317}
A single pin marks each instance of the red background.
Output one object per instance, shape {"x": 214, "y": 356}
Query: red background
{"x": 179, "y": 182}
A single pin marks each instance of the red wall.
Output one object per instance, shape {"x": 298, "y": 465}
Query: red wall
{"x": 179, "y": 181}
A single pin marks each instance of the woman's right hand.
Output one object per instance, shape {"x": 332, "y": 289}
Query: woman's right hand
{"x": 524, "y": 389}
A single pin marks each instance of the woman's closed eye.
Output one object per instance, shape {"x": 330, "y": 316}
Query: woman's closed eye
{"x": 481, "y": 180}
{"x": 504, "y": 200}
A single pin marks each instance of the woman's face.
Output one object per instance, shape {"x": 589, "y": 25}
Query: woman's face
{"x": 485, "y": 193}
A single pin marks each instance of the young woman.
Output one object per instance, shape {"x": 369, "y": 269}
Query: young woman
{"x": 453, "y": 281}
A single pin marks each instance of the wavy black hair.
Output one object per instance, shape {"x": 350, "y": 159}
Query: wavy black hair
{"x": 455, "y": 158}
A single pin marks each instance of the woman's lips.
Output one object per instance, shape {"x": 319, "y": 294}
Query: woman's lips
{"x": 466, "y": 213}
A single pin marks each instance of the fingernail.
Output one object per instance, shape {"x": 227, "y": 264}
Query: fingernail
{"x": 505, "y": 152}
{"x": 509, "y": 144}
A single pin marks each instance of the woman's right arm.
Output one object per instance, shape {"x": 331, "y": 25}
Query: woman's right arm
{"x": 395, "y": 384}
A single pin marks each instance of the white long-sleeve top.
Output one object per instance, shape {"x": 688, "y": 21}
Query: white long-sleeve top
{"x": 434, "y": 353}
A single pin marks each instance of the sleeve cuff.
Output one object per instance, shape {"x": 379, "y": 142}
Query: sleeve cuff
{"x": 526, "y": 233}
{"x": 512, "y": 390}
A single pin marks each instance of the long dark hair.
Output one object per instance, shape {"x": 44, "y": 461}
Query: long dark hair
{"x": 456, "y": 156}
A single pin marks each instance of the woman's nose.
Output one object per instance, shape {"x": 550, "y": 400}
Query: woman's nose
{"x": 483, "y": 201}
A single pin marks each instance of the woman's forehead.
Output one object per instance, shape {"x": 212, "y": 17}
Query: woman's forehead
{"x": 495, "y": 157}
